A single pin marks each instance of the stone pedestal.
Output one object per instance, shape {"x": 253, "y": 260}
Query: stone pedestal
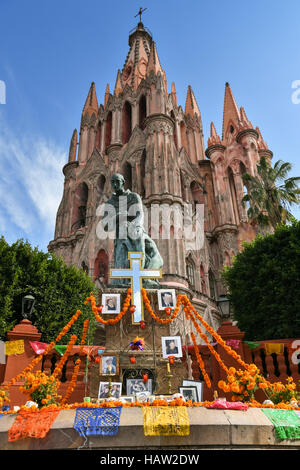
{"x": 17, "y": 362}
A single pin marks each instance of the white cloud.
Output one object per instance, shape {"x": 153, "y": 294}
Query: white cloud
{"x": 31, "y": 184}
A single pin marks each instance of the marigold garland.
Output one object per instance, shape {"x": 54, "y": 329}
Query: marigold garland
{"x": 205, "y": 338}
{"x": 163, "y": 321}
{"x": 66, "y": 328}
{"x": 200, "y": 362}
{"x": 215, "y": 335}
{"x": 72, "y": 383}
{"x": 58, "y": 368}
{"x": 111, "y": 321}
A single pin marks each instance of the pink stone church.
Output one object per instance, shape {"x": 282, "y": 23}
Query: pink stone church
{"x": 142, "y": 132}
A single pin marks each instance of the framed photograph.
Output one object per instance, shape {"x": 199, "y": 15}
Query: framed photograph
{"x": 128, "y": 399}
{"x": 142, "y": 397}
{"x": 194, "y": 383}
{"x": 189, "y": 393}
{"x": 166, "y": 298}
{"x": 116, "y": 389}
{"x": 134, "y": 386}
{"x": 171, "y": 346}
{"x": 109, "y": 364}
{"x": 111, "y": 303}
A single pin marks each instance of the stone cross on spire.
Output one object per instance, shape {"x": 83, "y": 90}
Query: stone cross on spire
{"x": 140, "y": 12}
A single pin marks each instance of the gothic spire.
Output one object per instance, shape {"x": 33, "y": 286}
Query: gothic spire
{"x": 91, "y": 103}
{"x": 134, "y": 69}
{"x": 173, "y": 93}
{"x": 106, "y": 96}
{"x": 214, "y": 138}
{"x": 231, "y": 111}
{"x": 153, "y": 61}
{"x": 191, "y": 106}
{"x": 73, "y": 147}
{"x": 118, "y": 86}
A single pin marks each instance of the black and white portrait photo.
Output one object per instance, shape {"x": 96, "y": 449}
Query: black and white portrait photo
{"x": 166, "y": 298}
{"x": 134, "y": 386}
{"x": 171, "y": 346}
{"x": 189, "y": 393}
{"x": 111, "y": 303}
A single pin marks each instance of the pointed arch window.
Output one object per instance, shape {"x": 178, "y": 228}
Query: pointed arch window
{"x": 101, "y": 267}
{"x": 174, "y": 133}
{"x": 100, "y": 187}
{"x": 127, "y": 173}
{"x": 183, "y": 195}
{"x": 80, "y": 207}
{"x": 84, "y": 267}
{"x": 245, "y": 187}
{"x": 143, "y": 173}
{"x": 108, "y": 128}
{"x": 203, "y": 280}
{"x": 142, "y": 111}
{"x": 98, "y": 137}
{"x": 190, "y": 271}
{"x": 197, "y": 193}
{"x": 126, "y": 122}
{"x": 233, "y": 194}
{"x": 212, "y": 284}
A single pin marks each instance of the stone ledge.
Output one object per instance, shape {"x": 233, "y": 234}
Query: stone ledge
{"x": 217, "y": 429}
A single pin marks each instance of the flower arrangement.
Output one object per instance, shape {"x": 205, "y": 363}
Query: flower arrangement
{"x": 137, "y": 344}
{"x": 243, "y": 383}
{"x": 41, "y": 388}
{"x": 278, "y": 392}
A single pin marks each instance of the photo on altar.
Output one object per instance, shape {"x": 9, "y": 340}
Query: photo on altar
{"x": 171, "y": 346}
{"x": 194, "y": 383}
{"x": 111, "y": 303}
{"x": 135, "y": 386}
{"x": 142, "y": 397}
{"x": 109, "y": 365}
{"x": 116, "y": 390}
{"x": 189, "y": 393}
{"x": 166, "y": 298}
{"x": 128, "y": 399}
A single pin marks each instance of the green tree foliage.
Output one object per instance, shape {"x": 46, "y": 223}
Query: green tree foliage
{"x": 271, "y": 193}
{"x": 264, "y": 285}
{"x": 59, "y": 291}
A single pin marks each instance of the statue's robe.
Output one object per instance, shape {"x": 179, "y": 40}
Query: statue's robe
{"x": 130, "y": 234}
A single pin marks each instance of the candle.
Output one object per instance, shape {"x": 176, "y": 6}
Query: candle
{"x": 168, "y": 367}
{"x": 109, "y": 369}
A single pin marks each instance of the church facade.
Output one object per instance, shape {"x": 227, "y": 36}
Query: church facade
{"x": 158, "y": 146}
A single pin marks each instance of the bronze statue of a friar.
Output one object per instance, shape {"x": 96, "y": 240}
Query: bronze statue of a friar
{"x": 123, "y": 213}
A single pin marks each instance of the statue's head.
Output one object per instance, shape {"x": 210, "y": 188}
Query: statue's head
{"x": 117, "y": 182}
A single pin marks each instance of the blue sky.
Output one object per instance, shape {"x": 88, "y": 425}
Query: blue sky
{"x": 50, "y": 52}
